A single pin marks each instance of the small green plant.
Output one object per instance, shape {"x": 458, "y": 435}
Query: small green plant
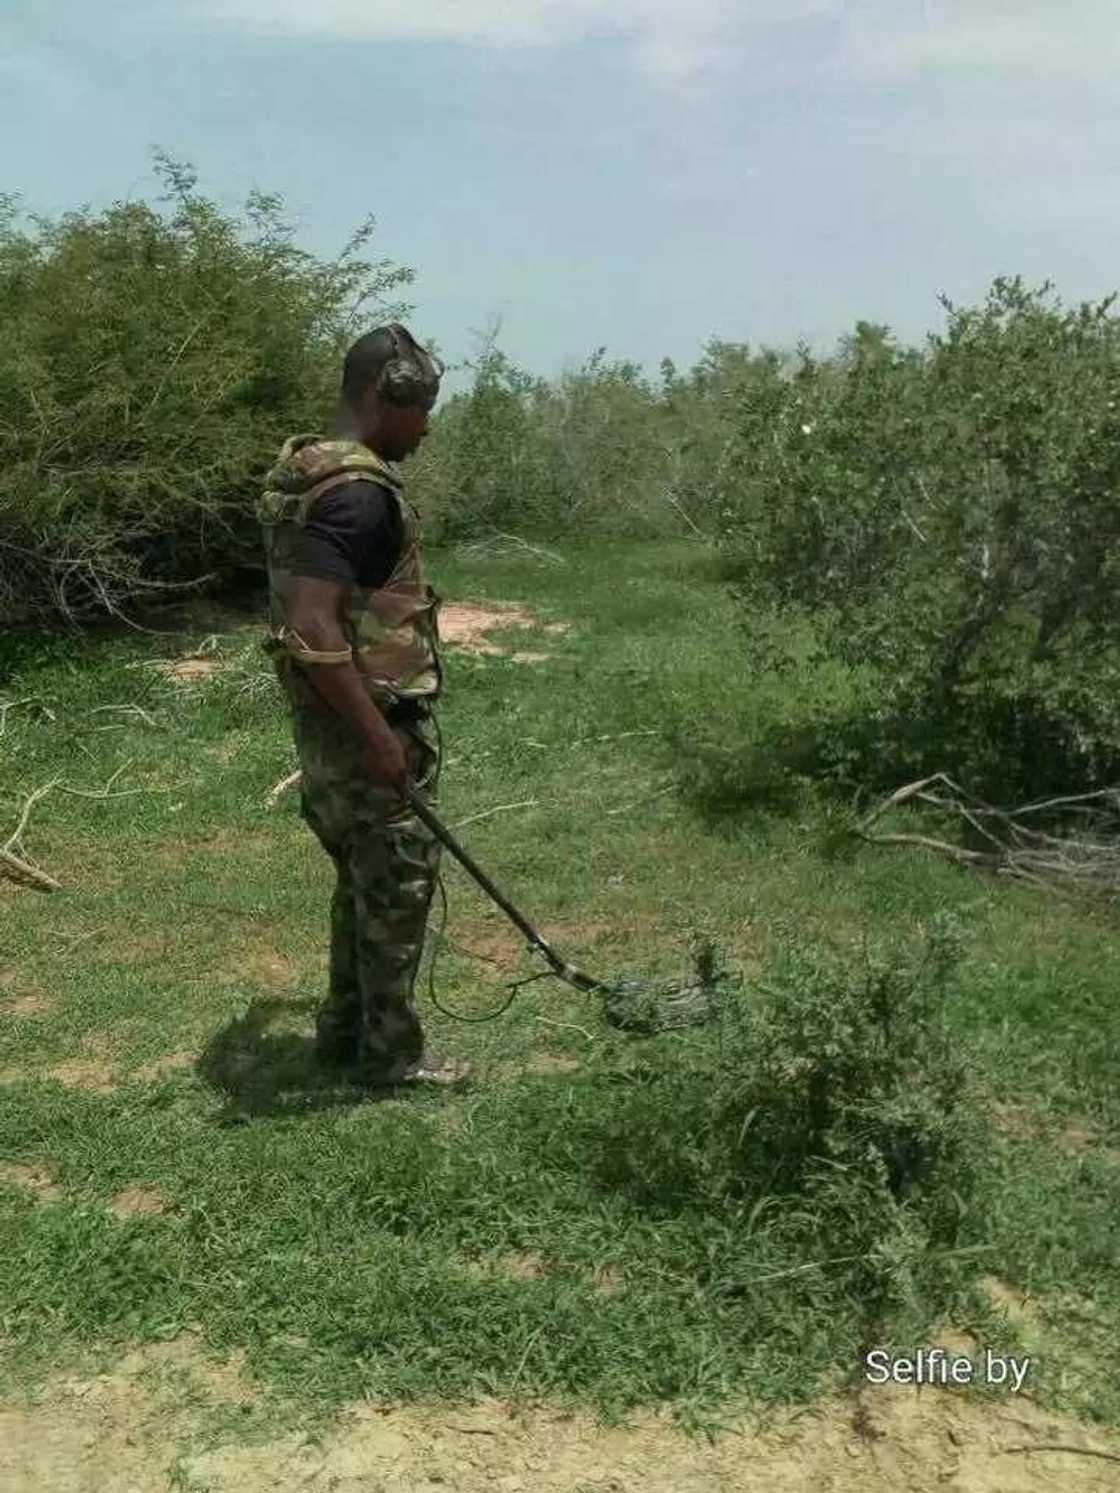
{"x": 837, "y": 1098}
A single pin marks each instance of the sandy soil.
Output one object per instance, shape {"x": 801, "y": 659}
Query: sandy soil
{"x": 462, "y": 625}
{"x": 129, "y": 1431}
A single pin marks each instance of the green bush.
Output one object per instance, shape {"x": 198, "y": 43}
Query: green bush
{"x": 950, "y": 520}
{"x": 834, "y": 1099}
{"x": 600, "y": 452}
{"x": 150, "y": 368}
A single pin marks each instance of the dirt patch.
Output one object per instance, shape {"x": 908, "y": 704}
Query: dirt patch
{"x": 608, "y": 1279}
{"x": 485, "y": 942}
{"x": 1076, "y": 1139}
{"x": 1007, "y": 1298}
{"x": 135, "y": 1200}
{"x": 169, "y": 1063}
{"x": 527, "y": 1265}
{"x": 28, "y": 999}
{"x": 146, "y": 945}
{"x": 124, "y": 1431}
{"x": 464, "y": 625}
{"x": 267, "y": 967}
{"x": 234, "y": 744}
{"x": 551, "y": 1062}
{"x": 187, "y": 670}
{"x": 37, "y": 1179}
{"x": 1020, "y": 1123}
{"x": 514, "y": 1265}
{"x": 222, "y": 842}
{"x": 85, "y": 1073}
{"x": 1016, "y": 1121}
{"x": 94, "y": 1068}
{"x": 544, "y": 1063}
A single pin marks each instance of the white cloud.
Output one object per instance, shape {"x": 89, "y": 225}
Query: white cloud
{"x": 679, "y": 43}
{"x": 1028, "y": 40}
{"x": 672, "y": 40}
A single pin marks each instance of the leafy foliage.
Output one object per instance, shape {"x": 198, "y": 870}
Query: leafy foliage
{"x": 151, "y": 366}
{"x": 598, "y": 452}
{"x": 944, "y": 521}
{"x": 951, "y": 520}
{"x": 838, "y": 1101}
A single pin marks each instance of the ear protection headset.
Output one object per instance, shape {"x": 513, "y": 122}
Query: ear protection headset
{"x": 413, "y": 375}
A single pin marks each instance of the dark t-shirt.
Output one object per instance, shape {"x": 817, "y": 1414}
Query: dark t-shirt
{"x": 354, "y": 534}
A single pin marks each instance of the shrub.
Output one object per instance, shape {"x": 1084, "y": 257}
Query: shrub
{"x": 600, "y": 452}
{"x": 151, "y": 366}
{"x": 951, "y": 520}
{"x": 835, "y": 1098}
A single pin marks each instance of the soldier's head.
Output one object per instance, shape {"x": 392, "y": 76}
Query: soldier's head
{"x": 389, "y": 385}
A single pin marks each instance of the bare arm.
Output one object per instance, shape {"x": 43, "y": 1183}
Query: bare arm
{"x": 314, "y": 614}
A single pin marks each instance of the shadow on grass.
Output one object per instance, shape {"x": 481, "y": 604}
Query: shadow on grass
{"x": 261, "y": 1073}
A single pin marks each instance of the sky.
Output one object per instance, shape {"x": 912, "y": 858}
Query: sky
{"x": 644, "y": 176}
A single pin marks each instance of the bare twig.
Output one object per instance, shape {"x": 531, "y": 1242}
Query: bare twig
{"x": 638, "y": 802}
{"x": 12, "y": 855}
{"x": 104, "y": 792}
{"x": 671, "y": 499}
{"x": 124, "y": 792}
{"x": 76, "y": 938}
{"x": 16, "y": 869}
{"x": 621, "y": 736}
{"x": 129, "y": 710}
{"x": 913, "y": 525}
{"x": 581, "y": 740}
{"x": 6, "y": 705}
{"x": 568, "y": 1026}
{"x": 527, "y": 803}
{"x": 32, "y": 799}
{"x": 1076, "y": 1451}
{"x": 1054, "y": 862}
{"x": 281, "y": 788}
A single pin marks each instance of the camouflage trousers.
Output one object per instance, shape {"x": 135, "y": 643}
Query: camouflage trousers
{"x": 386, "y": 869}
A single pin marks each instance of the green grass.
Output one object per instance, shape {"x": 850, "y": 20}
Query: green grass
{"x": 453, "y": 1245}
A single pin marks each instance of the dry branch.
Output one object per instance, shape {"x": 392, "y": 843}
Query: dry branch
{"x": 282, "y": 787}
{"x": 13, "y": 857}
{"x": 1055, "y": 862}
{"x": 525, "y": 803}
{"x": 14, "y": 863}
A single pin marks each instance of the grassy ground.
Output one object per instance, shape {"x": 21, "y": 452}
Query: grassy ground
{"x": 173, "y": 1159}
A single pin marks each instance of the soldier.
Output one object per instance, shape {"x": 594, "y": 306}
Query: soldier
{"x": 354, "y": 635}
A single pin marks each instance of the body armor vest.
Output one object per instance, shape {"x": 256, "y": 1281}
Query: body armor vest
{"x": 392, "y": 629}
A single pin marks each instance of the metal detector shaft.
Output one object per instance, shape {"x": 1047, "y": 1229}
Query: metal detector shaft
{"x": 560, "y": 967}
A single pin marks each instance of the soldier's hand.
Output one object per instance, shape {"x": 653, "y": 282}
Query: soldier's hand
{"x": 387, "y": 766}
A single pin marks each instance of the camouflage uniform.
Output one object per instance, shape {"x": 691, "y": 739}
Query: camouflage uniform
{"x": 386, "y": 861}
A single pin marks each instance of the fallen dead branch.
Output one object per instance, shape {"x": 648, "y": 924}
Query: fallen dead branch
{"x": 282, "y": 787}
{"x": 14, "y": 861}
{"x": 40, "y": 700}
{"x": 1085, "y": 857}
{"x": 16, "y": 865}
{"x": 1048, "y": 1446}
{"x": 525, "y": 803}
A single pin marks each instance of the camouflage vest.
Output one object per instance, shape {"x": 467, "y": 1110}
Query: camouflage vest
{"x": 393, "y": 629}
